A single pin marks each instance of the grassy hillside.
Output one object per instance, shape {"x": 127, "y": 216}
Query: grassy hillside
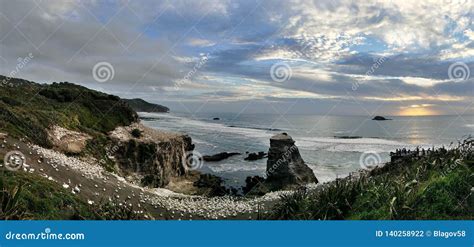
{"x": 27, "y": 109}
{"x": 436, "y": 186}
{"x": 28, "y": 196}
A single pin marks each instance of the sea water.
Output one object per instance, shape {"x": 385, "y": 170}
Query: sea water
{"x": 333, "y": 146}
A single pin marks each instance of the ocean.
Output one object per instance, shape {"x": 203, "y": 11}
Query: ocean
{"x": 333, "y": 146}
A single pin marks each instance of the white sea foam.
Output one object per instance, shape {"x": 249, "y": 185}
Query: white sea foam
{"x": 322, "y": 150}
{"x": 350, "y": 145}
{"x": 212, "y": 127}
{"x": 231, "y": 167}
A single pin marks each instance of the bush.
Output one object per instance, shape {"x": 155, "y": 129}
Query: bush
{"x": 136, "y": 133}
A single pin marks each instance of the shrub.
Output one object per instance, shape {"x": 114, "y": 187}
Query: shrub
{"x": 136, "y": 133}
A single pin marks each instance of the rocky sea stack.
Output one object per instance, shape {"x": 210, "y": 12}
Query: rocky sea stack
{"x": 285, "y": 167}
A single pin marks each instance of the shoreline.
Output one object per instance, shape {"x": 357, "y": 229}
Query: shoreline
{"x": 319, "y": 152}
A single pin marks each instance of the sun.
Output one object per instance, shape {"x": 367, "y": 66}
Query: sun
{"x": 418, "y": 110}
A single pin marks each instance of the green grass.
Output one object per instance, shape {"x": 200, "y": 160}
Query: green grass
{"x": 27, "y": 109}
{"x": 436, "y": 186}
{"x": 41, "y": 199}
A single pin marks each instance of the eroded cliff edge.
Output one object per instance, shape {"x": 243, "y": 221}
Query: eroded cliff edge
{"x": 150, "y": 157}
{"x": 92, "y": 126}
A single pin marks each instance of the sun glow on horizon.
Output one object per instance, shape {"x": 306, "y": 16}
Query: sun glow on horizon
{"x": 418, "y": 110}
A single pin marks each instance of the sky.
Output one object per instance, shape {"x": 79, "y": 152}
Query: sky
{"x": 252, "y": 56}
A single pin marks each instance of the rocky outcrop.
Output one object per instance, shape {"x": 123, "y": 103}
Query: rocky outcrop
{"x": 67, "y": 141}
{"x": 380, "y": 118}
{"x": 219, "y": 156}
{"x": 285, "y": 167}
{"x": 255, "y": 156}
{"x": 252, "y": 184}
{"x": 154, "y": 157}
{"x": 212, "y": 185}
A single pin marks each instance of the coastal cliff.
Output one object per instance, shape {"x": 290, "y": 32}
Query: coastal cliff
{"x": 83, "y": 154}
{"x": 153, "y": 157}
{"x": 92, "y": 125}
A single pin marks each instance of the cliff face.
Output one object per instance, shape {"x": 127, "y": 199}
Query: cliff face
{"x": 151, "y": 157}
{"x": 76, "y": 120}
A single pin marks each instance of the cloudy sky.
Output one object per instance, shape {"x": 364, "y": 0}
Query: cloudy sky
{"x": 284, "y": 57}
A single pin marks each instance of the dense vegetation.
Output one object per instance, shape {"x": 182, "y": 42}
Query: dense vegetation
{"x": 435, "y": 186}
{"x": 140, "y": 105}
{"x": 27, "y": 109}
{"x": 29, "y": 196}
